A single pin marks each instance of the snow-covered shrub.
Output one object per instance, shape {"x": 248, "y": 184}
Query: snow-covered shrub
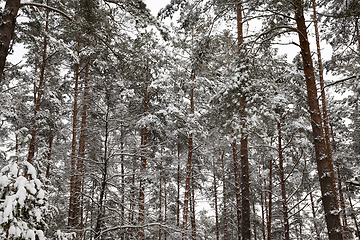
{"x": 22, "y": 203}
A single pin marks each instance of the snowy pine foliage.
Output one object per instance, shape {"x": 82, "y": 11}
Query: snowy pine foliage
{"x": 22, "y": 203}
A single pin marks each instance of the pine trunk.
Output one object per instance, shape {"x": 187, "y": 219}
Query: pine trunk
{"x": 7, "y": 26}
{"x": 224, "y": 197}
{"x": 101, "y": 209}
{"x": 324, "y": 164}
{"x": 282, "y": 183}
{"x": 245, "y": 184}
{"x": 269, "y": 217}
{"x": 237, "y": 189}
{"x": 216, "y": 203}
{"x": 81, "y": 155}
{"x": 73, "y": 219}
{"x": 39, "y": 91}
{"x": 189, "y": 163}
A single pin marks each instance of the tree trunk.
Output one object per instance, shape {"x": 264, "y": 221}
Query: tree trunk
{"x": 122, "y": 191}
{"x": 7, "y": 26}
{"x": 189, "y": 163}
{"x": 73, "y": 215}
{"x": 81, "y": 155}
{"x": 101, "y": 211}
{"x": 40, "y": 87}
{"x": 237, "y": 189}
{"x": 282, "y": 183}
{"x": 193, "y": 212}
{"x": 224, "y": 197}
{"x": 245, "y": 184}
{"x": 178, "y": 184}
{"x": 216, "y": 202}
{"x": 144, "y": 142}
{"x": 354, "y": 218}
{"x": 314, "y": 217}
{"x": 269, "y": 218}
{"x": 324, "y": 164}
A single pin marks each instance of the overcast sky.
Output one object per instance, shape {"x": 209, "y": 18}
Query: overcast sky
{"x": 156, "y": 5}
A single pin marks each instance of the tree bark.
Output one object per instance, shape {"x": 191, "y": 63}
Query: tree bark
{"x": 224, "y": 197}
{"x": 101, "y": 209}
{"x": 79, "y": 177}
{"x": 39, "y": 88}
{"x": 216, "y": 203}
{"x": 237, "y": 189}
{"x": 144, "y": 142}
{"x": 282, "y": 183}
{"x": 189, "y": 163}
{"x": 7, "y": 26}
{"x": 245, "y": 184}
{"x": 72, "y": 220}
{"x": 269, "y": 218}
{"x": 324, "y": 164}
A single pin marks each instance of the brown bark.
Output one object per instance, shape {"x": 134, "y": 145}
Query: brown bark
{"x": 79, "y": 177}
{"x": 245, "y": 184}
{"x": 101, "y": 209}
{"x": 282, "y": 183}
{"x": 178, "y": 184}
{"x": 39, "y": 90}
{"x": 193, "y": 212}
{"x": 72, "y": 220}
{"x": 160, "y": 201}
{"x": 269, "y": 218}
{"x": 224, "y": 196}
{"x": 122, "y": 191}
{"x": 189, "y": 163}
{"x": 237, "y": 189}
{"x": 144, "y": 142}
{"x": 51, "y": 139}
{"x": 324, "y": 164}
{"x": 7, "y": 26}
{"x": 216, "y": 203}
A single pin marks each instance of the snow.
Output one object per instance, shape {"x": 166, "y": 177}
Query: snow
{"x": 4, "y": 180}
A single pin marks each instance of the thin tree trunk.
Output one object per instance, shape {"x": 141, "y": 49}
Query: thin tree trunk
{"x": 314, "y": 217}
{"x": 39, "y": 90}
{"x": 324, "y": 164}
{"x": 354, "y": 218}
{"x": 178, "y": 184}
{"x": 254, "y": 224}
{"x": 101, "y": 211}
{"x": 262, "y": 207}
{"x": 245, "y": 184}
{"x": 282, "y": 183}
{"x": 81, "y": 155}
{"x": 224, "y": 197}
{"x": 269, "y": 218}
{"x": 189, "y": 163}
{"x": 237, "y": 189}
{"x": 73, "y": 218}
{"x": 51, "y": 139}
{"x": 193, "y": 213}
{"x": 144, "y": 142}
{"x": 122, "y": 192}
{"x": 216, "y": 203}
{"x": 7, "y": 26}
{"x": 160, "y": 199}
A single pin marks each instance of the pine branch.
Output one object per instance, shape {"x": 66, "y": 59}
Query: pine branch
{"x": 47, "y": 7}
